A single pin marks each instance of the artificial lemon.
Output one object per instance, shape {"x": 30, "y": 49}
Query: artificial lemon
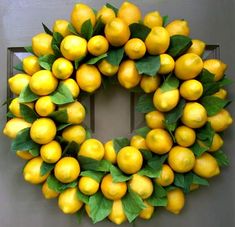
{"x": 157, "y": 41}
{"x": 176, "y": 201}
{"x": 92, "y": 148}
{"x": 43, "y": 130}
{"x": 106, "y": 14}
{"x": 24, "y": 155}
{"x": 128, "y": 75}
{"x": 109, "y": 152}
{"x": 117, "y": 214}
{"x": 49, "y": 193}
{"x": 147, "y": 212}
{"x": 185, "y": 136}
{"x": 61, "y": 26}
{"x": 44, "y": 106}
{"x": 181, "y": 159}
{"x": 72, "y": 86}
{"x": 135, "y": 48}
{"x": 222, "y": 93}
{"x": 30, "y": 64}
{"x": 41, "y": 44}
{"x": 62, "y": 68}
{"x": 51, "y": 152}
{"x": 138, "y": 142}
{"x": 159, "y": 141}
{"x": 88, "y": 78}
{"x": 197, "y": 47}
{"x": 32, "y": 171}
{"x": 194, "y": 115}
{"x": 67, "y": 169}
{"x": 18, "y": 82}
{"x": 167, "y": 64}
{"x": 178, "y": 27}
{"x": 153, "y": 19}
{"x": 98, "y": 45}
{"x": 166, "y": 176}
{"x": 112, "y": 190}
{"x": 155, "y": 119}
{"x": 107, "y": 69}
{"x": 191, "y": 90}
{"x": 74, "y": 133}
{"x": 43, "y": 82}
{"x": 188, "y": 66}
{"x": 88, "y": 185}
{"x": 150, "y": 83}
{"x": 129, "y": 160}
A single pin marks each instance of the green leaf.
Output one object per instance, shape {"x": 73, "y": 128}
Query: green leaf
{"x": 99, "y": 27}
{"x": 156, "y": 162}
{"x": 57, "y": 186}
{"x": 132, "y": 205}
{"x": 147, "y": 154}
{"x": 55, "y": 44}
{"x": 180, "y": 181}
{"x": 29, "y": 49}
{"x": 158, "y": 202}
{"x": 82, "y": 197}
{"x": 23, "y": 141}
{"x": 71, "y": 149}
{"x": 225, "y": 82}
{"x": 136, "y": 89}
{"x": 62, "y": 95}
{"x": 46, "y": 168}
{"x": 46, "y": 61}
{"x": 72, "y": 29}
{"x": 142, "y": 131}
{"x": 199, "y": 180}
{"x": 88, "y": 133}
{"x": 80, "y": 215}
{"x": 87, "y": 29}
{"x": 19, "y": 67}
{"x": 206, "y": 134}
{"x": 145, "y": 104}
{"x": 93, "y": 174}
{"x": 78, "y": 61}
{"x": 100, "y": 207}
{"x": 63, "y": 126}
{"x": 158, "y": 198}
{"x": 60, "y": 116}
{"x": 221, "y": 158}
{"x": 139, "y": 31}
{"x": 47, "y": 30}
{"x": 165, "y": 20}
{"x": 10, "y": 115}
{"x": 148, "y": 65}
{"x": 170, "y": 83}
{"x": 35, "y": 151}
{"x": 27, "y": 113}
{"x": 149, "y": 172}
{"x": 213, "y": 104}
{"x": 119, "y": 143}
{"x": 115, "y": 56}
{"x": 27, "y": 95}
{"x": 198, "y": 150}
{"x": 117, "y": 175}
{"x": 115, "y": 9}
{"x": 178, "y": 45}
{"x": 94, "y": 60}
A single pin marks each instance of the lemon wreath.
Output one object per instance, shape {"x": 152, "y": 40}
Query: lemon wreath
{"x": 181, "y": 94}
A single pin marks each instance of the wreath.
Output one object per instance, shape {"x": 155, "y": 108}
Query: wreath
{"x": 180, "y": 93}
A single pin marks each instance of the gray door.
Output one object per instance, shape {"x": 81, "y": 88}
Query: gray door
{"x": 21, "y": 204}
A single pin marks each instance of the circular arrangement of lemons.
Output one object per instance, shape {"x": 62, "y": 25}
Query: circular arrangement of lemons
{"x": 181, "y": 95}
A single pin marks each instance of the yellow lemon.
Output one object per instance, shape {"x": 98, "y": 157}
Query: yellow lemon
{"x": 74, "y": 133}
{"x": 61, "y": 26}
{"x": 41, "y": 44}
{"x": 166, "y": 177}
{"x": 117, "y": 214}
{"x": 206, "y": 166}
{"x": 194, "y": 187}
{"x": 98, "y": 45}
{"x": 153, "y": 19}
{"x": 67, "y": 169}
{"x": 141, "y": 185}
{"x": 107, "y": 69}
{"x": 48, "y": 193}
{"x": 44, "y": 106}
{"x": 135, "y": 48}
{"x": 15, "y": 125}
{"x": 88, "y": 210}
{"x": 88, "y": 186}
{"x": 138, "y": 142}
{"x": 51, "y": 152}
{"x": 128, "y": 75}
{"x": 159, "y": 141}
{"x": 109, "y": 152}
{"x": 73, "y": 47}
{"x": 43, "y": 130}
{"x": 167, "y": 64}
{"x": 147, "y": 212}
{"x": 117, "y": 32}
{"x": 221, "y": 120}
{"x": 216, "y": 67}
{"x": 18, "y": 82}
{"x": 32, "y": 169}
{"x": 24, "y": 155}
{"x": 194, "y": 115}
{"x": 105, "y": 14}
{"x": 112, "y": 190}
{"x": 68, "y": 201}
{"x": 75, "y": 111}
{"x": 176, "y": 201}
{"x": 188, "y": 66}
{"x": 181, "y": 159}
{"x": 222, "y": 93}
{"x": 129, "y": 160}
{"x": 191, "y": 90}
{"x": 62, "y": 68}
{"x": 185, "y": 136}
{"x": 92, "y": 148}
{"x": 31, "y": 64}
{"x": 150, "y": 83}
{"x": 80, "y": 14}
{"x": 88, "y": 78}
{"x": 129, "y": 12}
{"x": 43, "y": 83}
{"x": 217, "y": 143}
{"x": 178, "y": 27}
{"x": 166, "y": 101}
{"x": 72, "y": 86}
{"x": 155, "y": 119}
{"x": 197, "y": 47}
{"x": 157, "y": 41}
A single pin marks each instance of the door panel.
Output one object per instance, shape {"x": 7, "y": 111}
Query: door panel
{"x": 111, "y": 113}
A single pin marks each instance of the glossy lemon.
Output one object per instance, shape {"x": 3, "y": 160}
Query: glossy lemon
{"x": 72, "y": 86}
{"x": 109, "y": 152}
{"x": 44, "y": 106}
{"x": 18, "y": 82}
{"x": 217, "y": 143}
{"x": 150, "y": 83}
{"x": 88, "y": 186}
{"x": 31, "y": 64}
{"x": 166, "y": 177}
{"x": 106, "y": 14}
{"x": 167, "y": 64}
{"x": 222, "y": 93}
{"x": 107, "y": 69}
{"x": 41, "y": 44}
{"x": 98, "y": 45}
{"x": 75, "y": 133}
{"x": 51, "y": 152}
{"x": 147, "y": 212}
{"x": 155, "y": 119}
{"x": 138, "y": 142}
{"x": 49, "y": 193}
{"x": 185, "y": 136}
{"x": 178, "y": 27}
{"x": 61, "y": 26}
{"x": 62, "y": 68}
{"x": 191, "y": 90}
{"x": 24, "y": 155}
{"x": 176, "y": 201}
{"x": 117, "y": 214}
{"x": 153, "y": 19}
{"x": 197, "y": 47}
{"x": 135, "y": 48}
